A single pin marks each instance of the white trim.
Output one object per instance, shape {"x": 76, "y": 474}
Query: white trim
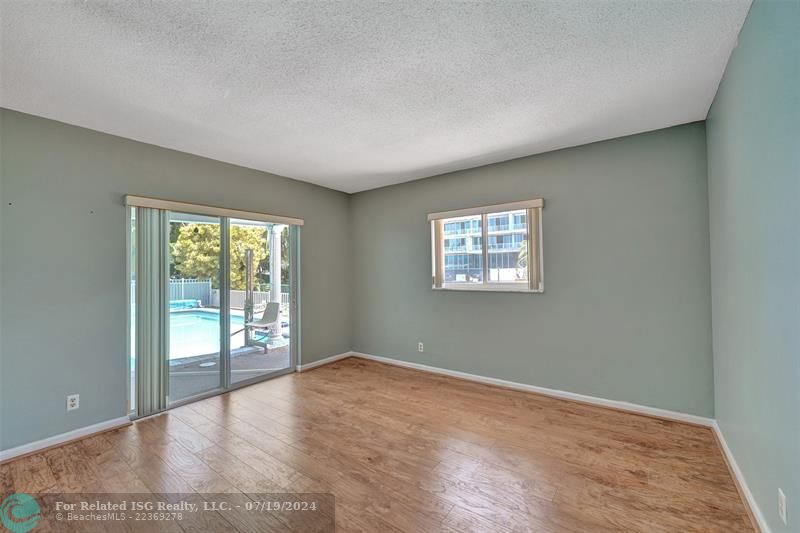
{"x": 62, "y": 438}
{"x": 200, "y": 209}
{"x": 594, "y": 400}
{"x": 533, "y": 240}
{"x": 486, "y": 209}
{"x": 522, "y": 286}
{"x": 324, "y": 361}
{"x": 740, "y": 480}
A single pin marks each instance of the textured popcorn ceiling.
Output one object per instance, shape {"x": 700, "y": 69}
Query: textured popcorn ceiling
{"x": 357, "y": 95}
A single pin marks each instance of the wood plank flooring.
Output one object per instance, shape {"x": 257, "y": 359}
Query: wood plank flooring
{"x": 408, "y": 451}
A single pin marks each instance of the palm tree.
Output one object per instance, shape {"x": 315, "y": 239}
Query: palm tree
{"x": 522, "y": 256}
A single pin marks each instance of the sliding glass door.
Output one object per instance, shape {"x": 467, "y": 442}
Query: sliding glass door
{"x": 259, "y": 299}
{"x": 195, "y": 321}
{"x": 212, "y": 304}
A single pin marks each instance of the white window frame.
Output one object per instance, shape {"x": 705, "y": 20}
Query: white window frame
{"x": 534, "y": 237}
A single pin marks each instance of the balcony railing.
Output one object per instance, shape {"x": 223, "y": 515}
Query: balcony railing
{"x": 460, "y": 231}
{"x": 507, "y": 227}
{"x": 508, "y": 246}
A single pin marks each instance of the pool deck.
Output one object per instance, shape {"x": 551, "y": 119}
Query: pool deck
{"x": 191, "y": 379}
{"x": 193, "y": 374}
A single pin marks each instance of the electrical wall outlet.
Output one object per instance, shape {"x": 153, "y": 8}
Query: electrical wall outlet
{"x": 782, "y": 507}
{"x": 420, "y": 347}
{"x": 73, "y": 402}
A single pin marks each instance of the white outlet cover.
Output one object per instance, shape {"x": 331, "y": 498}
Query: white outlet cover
{"x": 420, "y": 347}
{"x": 73, "y": 402}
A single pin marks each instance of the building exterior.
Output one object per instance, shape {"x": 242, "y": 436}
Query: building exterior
{"x": 464, "y": 253}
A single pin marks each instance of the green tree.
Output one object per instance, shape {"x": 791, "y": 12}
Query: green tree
{"x": 522, "y": 260}
{"x": 195, "y": 252}
{"x": 262, "y": 268}
{"x": 243, "y": 238}
{"x": 522, "y": 256}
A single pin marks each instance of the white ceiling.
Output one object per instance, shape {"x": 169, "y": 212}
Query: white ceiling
{"x": 357, "y": 95}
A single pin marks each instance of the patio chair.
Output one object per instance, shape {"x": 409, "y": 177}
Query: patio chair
{"x": 269, "y": 318}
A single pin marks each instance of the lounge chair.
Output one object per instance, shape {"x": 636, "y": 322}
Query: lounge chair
{"x": 269, "y": 318}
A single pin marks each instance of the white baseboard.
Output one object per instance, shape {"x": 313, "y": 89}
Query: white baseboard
{"x": 324, "y": 361}
{"x": 740, "y": 480}
{"x": 594, "y": 400}
{"x": 55, "y": 440}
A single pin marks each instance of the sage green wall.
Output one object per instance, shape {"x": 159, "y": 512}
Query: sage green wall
{"x": 62, "y": 229}
{"x": 753, "y": 134}
{"x": 626, "y": 310}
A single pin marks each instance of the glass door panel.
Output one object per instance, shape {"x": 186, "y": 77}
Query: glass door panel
{"x": 259, "y": 299}
{"x": 194, "y": 314}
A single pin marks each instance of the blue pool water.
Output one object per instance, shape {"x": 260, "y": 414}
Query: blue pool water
{"x": 196, "y": 332}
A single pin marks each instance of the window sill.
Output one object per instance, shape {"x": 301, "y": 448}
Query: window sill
{"x": 499, "y": 287}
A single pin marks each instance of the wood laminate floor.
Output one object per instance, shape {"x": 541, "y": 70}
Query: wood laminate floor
{"x": 404, "y": 450}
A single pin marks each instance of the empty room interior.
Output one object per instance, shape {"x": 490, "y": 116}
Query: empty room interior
{"x": 413, "y": 266}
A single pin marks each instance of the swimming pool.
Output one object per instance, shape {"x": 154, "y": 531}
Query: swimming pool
{"x": 195, "y": 332}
